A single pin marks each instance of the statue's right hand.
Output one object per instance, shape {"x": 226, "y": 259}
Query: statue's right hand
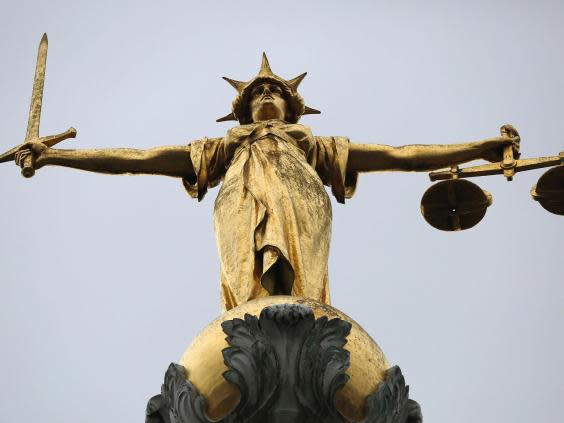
{"x": 35, "y": 150}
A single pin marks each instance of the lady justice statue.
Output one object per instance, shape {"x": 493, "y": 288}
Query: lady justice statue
{"x": 272, "y": 214}
{"x": 272, "y": 220}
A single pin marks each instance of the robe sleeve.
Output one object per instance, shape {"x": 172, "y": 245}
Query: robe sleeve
{"x": 331, "y": 165}
{"x": 208, "y": 160}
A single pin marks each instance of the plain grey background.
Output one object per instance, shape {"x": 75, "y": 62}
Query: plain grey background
{"x": 106, "y": 279}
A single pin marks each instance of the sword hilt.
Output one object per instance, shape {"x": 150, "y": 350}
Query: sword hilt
{"x": 52, "y": 140}
{"x": 28, "y": 170}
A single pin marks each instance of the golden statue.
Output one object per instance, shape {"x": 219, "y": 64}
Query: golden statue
{"x": 273, "y": 218}
{"x": 272, "y": 214}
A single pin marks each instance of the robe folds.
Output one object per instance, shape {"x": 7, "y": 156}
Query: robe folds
{"x": 272, "y": 208}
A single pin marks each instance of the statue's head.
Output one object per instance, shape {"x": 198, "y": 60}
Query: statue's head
{"x": 267, "y": 96}
{"x": 267, "y": 101}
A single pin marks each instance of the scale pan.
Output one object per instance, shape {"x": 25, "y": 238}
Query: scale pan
{"x": 549, "y": 190}
{"x": 454, "y": 205}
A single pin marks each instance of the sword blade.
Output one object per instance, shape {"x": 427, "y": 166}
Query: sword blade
{"x": 37, "y": 93}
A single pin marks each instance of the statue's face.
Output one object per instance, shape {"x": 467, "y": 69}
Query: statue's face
{"x": 267, "y": 102}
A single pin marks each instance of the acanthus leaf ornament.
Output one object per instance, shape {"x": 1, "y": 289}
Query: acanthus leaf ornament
{"x": 287, "y": 366}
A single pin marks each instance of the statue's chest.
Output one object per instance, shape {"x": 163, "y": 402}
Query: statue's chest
{"x": 271, "y": 137}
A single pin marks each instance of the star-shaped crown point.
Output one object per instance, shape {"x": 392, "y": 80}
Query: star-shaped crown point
{"x": 265, "y": 66}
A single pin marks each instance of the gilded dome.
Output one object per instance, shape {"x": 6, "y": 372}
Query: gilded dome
{"x": 204, "y": 363}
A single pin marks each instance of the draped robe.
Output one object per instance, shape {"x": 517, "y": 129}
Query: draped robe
{"x": 272, "y": 210}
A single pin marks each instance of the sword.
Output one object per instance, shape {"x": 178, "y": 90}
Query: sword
{"x": 32, "y": 134}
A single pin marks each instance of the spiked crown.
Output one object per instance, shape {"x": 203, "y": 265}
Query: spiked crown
{"x": 240, "y": 106}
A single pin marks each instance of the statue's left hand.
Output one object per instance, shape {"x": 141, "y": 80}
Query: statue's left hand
{"x": 492, "y": 148}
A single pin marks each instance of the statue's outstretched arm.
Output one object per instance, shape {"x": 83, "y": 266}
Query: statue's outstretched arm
{"x": 169, "y": 161}
{"x": 375, "y": 157}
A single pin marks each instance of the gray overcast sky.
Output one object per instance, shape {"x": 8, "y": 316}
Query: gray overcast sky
{"x": 106, "y": 280}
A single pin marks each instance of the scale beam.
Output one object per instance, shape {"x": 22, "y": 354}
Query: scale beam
{"x": 521, "y": 165}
